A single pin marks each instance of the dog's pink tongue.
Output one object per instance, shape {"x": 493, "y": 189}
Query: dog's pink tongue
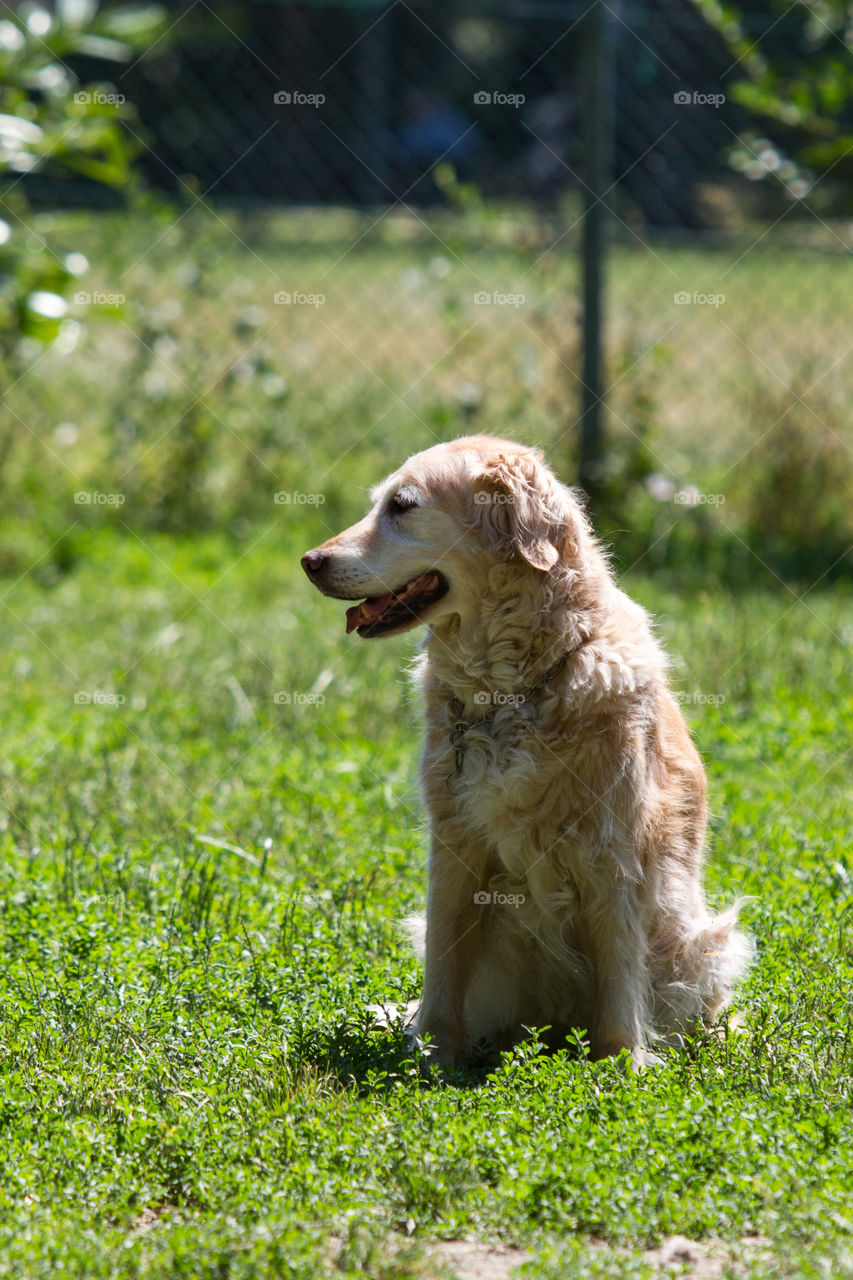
{"x": 361, "y": 615}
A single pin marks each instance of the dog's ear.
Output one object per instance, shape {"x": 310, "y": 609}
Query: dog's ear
{"x": 520, "y": 507}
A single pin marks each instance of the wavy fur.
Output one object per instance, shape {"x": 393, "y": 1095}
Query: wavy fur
{"x": 566, "y": 799}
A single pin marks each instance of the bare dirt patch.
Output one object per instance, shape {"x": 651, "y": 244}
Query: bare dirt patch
{"x": 472, "y": 1260}
{"x": 677, "y": 1256}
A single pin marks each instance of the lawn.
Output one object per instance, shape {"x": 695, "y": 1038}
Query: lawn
{"x": 212, "y": 828}
{"x": 211, "y": 831}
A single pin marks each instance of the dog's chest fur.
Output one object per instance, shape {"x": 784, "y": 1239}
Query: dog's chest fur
{"x": 485, "y": 775}
{"x": 546, "y": 780}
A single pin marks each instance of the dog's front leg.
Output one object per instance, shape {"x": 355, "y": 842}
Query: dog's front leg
{"x": 451, "y": 940}
{"x": 621, "y": 975}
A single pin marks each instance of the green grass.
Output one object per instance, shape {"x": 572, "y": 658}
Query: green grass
{"x": 209, "y": 806}
{"x": 199, "y": 397}
{"x": 191, "y": 1081}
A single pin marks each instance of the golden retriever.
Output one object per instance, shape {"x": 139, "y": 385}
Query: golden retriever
{"x": 566, "y": 799}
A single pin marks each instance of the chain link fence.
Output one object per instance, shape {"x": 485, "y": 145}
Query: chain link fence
{"x": 358, "y": 104}
{"x": 435, "y": 162}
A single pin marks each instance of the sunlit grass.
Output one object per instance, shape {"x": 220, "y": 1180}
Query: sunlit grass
{"x": 209, "y": 806}
{"x": 203, "y": 883}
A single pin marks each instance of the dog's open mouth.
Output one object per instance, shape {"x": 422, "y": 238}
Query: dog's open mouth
{"x": 380, "y": 615}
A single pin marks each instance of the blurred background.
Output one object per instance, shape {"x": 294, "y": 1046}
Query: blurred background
{"x": 260, "y": 249}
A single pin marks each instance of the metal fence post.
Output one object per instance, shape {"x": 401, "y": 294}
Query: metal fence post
{"x": 373, "y": 69}
{"x": 597, "y": 142}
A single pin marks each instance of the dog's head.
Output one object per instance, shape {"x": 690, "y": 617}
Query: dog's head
{"x": 436, "y": 529}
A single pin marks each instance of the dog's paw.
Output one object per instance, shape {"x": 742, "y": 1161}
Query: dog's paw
{"x": 642, "y": 1058}
{"x": 636, "y": 1056}
{"x": 391, "y": 1015}
{"x": 637, "y": 1059}
{"x": 441, "y": 1052}
{"x": 442, "y": 1046}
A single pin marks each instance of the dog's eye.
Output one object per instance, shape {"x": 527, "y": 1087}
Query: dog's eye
{"x": 401, "y": 502}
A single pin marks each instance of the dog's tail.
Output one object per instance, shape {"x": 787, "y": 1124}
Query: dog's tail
{"x": 694, "y": 981}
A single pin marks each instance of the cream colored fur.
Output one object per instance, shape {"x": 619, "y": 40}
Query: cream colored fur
{"x": 566, "y": 799}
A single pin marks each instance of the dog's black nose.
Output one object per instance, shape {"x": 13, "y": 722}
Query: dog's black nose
{"x": 313, "y": 561}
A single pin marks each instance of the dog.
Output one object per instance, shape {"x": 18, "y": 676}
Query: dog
{"x": 567, "y": 802}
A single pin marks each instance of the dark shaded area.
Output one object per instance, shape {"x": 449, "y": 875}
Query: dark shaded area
{"x": 313, "y": 104}
{"x": 373, "y": 1060}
